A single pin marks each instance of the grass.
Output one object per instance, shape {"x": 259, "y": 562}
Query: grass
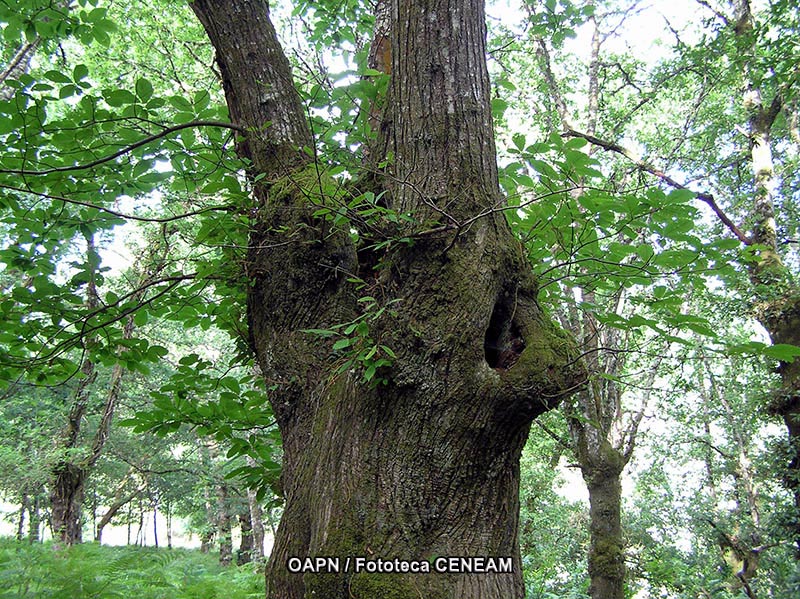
{"x": 44, "y": 571}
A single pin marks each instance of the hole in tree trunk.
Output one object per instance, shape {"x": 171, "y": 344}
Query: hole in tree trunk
{"x": 503, "y": 342}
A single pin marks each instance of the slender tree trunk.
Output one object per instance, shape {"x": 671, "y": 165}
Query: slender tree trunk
{"x": 211, "y": 527}
{"x": 245, "y": 553}
{"x": 224, "y": 527}
{"x": 257, "y": 522}
{"x": 25, "y": 506}
{"x": 94, "y": 513}
{"x": 68, "y": 488}
{"x": 155, "y": 524}
{"x": 34, "y": 519}
{"x": 70, "y": 477}
{"x": 140, "y": 533}
{"x": 606, "y": 551}
{"x": 112, "y": 511}
{"x": 426, "y": 464}
{"x": 168, "y": 516}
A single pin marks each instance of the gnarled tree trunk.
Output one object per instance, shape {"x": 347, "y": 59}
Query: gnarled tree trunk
{"x": 426, "y": 464}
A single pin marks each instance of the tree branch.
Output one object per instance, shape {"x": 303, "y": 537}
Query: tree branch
{"x": 649, "y": 168}
{"x": 123, "y": 151}
{"x": 144, "y": 219}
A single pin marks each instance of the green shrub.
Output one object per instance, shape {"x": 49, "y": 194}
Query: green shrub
{"x": 45, "y": 571}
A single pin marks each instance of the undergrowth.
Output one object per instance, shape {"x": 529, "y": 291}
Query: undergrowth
{"x": 45, "y": 571}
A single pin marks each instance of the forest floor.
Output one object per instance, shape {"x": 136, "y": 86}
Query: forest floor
{"x": 45, "y": 571}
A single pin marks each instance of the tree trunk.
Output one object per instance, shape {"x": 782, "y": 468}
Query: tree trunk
{"x": 206, "y": 538}
{"x": 155, "y": 524}
{"x": 70, "y": 477}
{"x": 168, "y": 517}
{"x": 257, "y": 522}
{"x": 17, "y": 66}
{"x": 140, "y": 532}
{"x": 66, "y": 502}
{"x": 112, "y": 511}
{"x": 223, "y": 518}
{"x": 245, "y": 553}
{"x": 606, "y": 550}
{"x": 34, "y": 518}
{"x": 425, "y": 464}
{"x": 25, "y": 506}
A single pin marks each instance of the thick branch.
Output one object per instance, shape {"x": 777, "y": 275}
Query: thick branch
{"x": 258, "y": 83}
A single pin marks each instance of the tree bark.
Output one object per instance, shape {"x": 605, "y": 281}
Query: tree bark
{"x": 424, "y": 464}
{"x": 17, "y": 66}
{"x": 223, "y": 518}
{"x": 69, "y": 478}
{"x": 155, "y": 524}
{"x": 606, "y": 550}
{"x": 25, "y": 506}
{"x": 168, "y": 516}
{"x": 257, "y": 522}
{"x": 66, "y": 502}
{"x": 245, "y": 553}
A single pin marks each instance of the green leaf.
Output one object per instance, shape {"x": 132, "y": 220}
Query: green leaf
{"x": 681, "y": 195}
{"x": 782, "y": 351}
{"x": 576, "y": 143}
{"x": 119, "y": 97}
{"x": 144, "y": 89}
{"x": 499, "y": 107}
{"x": 57, "y": 77}
{"x": 140, "y": 319}
{"x": 80, "y": 72}
{"x": 342, "y": 343}
{"x": 319, "y": 332}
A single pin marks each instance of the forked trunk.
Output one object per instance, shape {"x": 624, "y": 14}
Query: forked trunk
{"x": 420, "y": 463}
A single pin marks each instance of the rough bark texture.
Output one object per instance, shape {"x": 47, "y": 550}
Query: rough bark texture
{"x": 426, "y": 464}
{"x": 66, "y": 502}
{"x": 782, "y": 320}
{"x": 606, "y": 551}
